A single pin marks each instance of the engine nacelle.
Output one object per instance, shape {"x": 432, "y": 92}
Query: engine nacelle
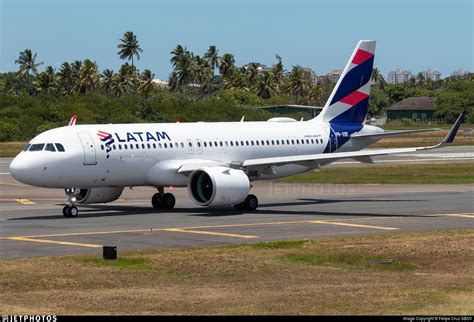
{"x": 98, "y": 195}
{"x": 218, "y": 186}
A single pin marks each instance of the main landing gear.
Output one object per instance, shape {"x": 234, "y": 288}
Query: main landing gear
{"x": 162, "y": 200}
{"x": 249, "y": 204}
{"x": 70, "y": 211}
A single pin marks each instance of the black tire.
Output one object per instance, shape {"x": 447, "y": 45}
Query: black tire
{"x": 251, "y": 203}
{"x": 157, "y": 201}
{"x": 65, "y": 211}
{"x": 72, "y": 212}
{"x": 169, "y": 201}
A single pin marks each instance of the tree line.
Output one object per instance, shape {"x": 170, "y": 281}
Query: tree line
{"x": 210, "y": 80}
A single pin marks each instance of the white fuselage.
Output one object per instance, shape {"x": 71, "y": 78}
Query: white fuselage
{"x": 149, "y": 154}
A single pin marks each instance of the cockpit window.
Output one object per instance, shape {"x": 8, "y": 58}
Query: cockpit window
{"x": 26, "y": 147}
{"x": 50, "y": 147}
{"x": 36, "y": 147}
{"x": 60, "y": 147}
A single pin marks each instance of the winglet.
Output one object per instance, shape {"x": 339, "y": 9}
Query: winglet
{"x": 454, "y": 129}
{"x": 73, "y": 120}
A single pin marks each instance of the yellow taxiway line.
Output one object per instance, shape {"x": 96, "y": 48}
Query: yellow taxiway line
{"x": 25, "y": 201}
{"x": 196, "y": 230}
{"x": 209, "y": 233}
{"x": 46, "y": 241}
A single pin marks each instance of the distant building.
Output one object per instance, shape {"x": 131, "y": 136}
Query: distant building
{"x": 434, "y": 75}
{"x": 459, "y": 73}
{"x": 332, "y": 76}
{"x": 160, "y": 83}
{"x": 310, "y": 74}
{"x": 398, "y": 76}
{"x": 415, "y": 108}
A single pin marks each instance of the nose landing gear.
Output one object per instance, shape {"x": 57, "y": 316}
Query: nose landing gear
{"x": 71, "y": 211}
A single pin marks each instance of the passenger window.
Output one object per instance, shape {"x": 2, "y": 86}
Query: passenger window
{"x": 60, "y": 147}
{"x": 26, "y": 147}
{"x": 171, "y": 145}
{"x": 50, "y": 147}
{"x": 138, "y": 146}
{"x": 120, "y": 147}
{"x": 37, "y": 147}
{"x": 113, "y": 147}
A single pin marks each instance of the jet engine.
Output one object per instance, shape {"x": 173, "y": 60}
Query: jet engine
{"x": 97, "y": 195}
{"x": 218, "y": 186}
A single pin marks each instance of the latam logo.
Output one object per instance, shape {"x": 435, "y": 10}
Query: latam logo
{"x": 108, "y": 138}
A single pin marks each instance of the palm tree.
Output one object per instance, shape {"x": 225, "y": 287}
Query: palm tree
{"x": 76, "y": 74}
{"x": 236, "y": 80}
{"x": 129, "y": 47}
{"x": 266, "y": 86}
{"x": 146, "y": 83}
{"x": 46, "y": 81}
{"x": 27, "y": 62}
{"x": 177, "y": 54}
{"x": 278, "y": 72}
{"x": 297, "y": 82}
{"x": 375, "y": 75}
{"x": 107, "y": 79}
{"x": 89, "y": 76}
{"x": 212, "y": 57}
{"x": 251, "y": 72}
{"x": 173, "y": 83}
{"x": 66, "y": 82}
{"x": 226, "y": 65}
{"x": 314, "y": 95}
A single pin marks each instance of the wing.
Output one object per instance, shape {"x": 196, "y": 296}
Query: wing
{"x": 358, "y": 155}
{"x": 390, "y": 133}
{"x": 189, "y": 166}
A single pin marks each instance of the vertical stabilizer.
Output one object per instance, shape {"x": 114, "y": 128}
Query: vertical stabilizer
{"x": 349, "y": 99}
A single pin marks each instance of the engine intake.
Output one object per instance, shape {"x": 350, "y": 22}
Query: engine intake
{"x": 218, "y": 186}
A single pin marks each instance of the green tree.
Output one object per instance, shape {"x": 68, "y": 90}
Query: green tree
{"x": 89, "y": 76}
{"x": 107, "y": 77}
{"x": 266, "y": 86}
{"x": 212, "y": 57}
{"x": 227, "y": 65}
{"x": 27, "y": 62}
{"x": 298, "y": 82}
{"x": 146, "y": 83}
{"x": 129, "y": 47}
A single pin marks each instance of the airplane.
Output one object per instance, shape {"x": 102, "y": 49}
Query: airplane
{"x": 216, "y": 161}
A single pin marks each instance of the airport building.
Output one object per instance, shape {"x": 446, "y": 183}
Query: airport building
{"x": 415, "y": 108}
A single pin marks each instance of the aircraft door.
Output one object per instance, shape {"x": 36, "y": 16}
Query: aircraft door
{"x": 199, "y": 146}
{"x": 332, "y": 140}
{"x": 190, "y": 147}
{"x": 89, "y": 148}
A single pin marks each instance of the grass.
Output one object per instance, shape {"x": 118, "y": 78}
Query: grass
{"x": 10, "y": 149}
{"x": 436, "y": 173}
{"x": 429, "y": 273}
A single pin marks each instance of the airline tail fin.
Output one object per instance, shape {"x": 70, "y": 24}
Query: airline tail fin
{"x": 73, "y": 120}
{"x": 349, "y": 99}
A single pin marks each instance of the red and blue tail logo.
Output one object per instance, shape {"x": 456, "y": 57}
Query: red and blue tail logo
{"x": 347, "y": 107}
{"x": 349, "y": 100}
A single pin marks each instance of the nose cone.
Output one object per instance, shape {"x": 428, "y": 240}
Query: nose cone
{"x": 20, "y": 168}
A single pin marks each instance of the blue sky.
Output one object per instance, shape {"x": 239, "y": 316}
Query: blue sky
{"x": 414, "y": 35}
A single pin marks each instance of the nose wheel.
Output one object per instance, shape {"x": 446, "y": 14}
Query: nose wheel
{"x": 162, "y": 200}
{"x": 71, "y": 211}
